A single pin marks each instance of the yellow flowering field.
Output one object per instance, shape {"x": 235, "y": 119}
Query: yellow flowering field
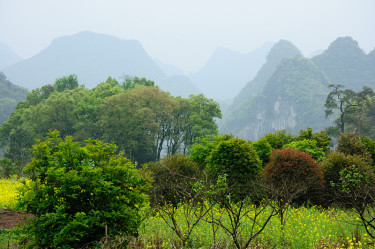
{"x": 8, "y": 193}
{"x": 306, "y": 227}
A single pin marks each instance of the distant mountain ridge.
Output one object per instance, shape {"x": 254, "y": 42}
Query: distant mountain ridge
{"x": 7, "y": 56}
{"x": 227, "y": 71}
{"x": 168, "y": 69}
{"x": 93, "y": 57}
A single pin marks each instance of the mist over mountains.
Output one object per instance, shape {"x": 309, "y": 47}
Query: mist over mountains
{"x": 273, "y": 87}
{"x": 7, "y": 56}
{"x": 289, "y": 91}
{"x": 227, "y": 71}
{"x": 93, "y": 57}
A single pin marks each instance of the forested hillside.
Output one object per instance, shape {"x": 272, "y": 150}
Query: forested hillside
{"x": 290, "y": 93}
{"x": 10, "y": 95}
{"x": 281, "y": 50}
{"x": 345, "y": 63}
{"x": 292, "y": 99}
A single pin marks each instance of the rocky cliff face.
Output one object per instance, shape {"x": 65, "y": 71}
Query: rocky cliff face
{"x": 284, "y": 117}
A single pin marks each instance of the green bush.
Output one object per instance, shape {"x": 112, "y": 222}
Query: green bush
{"x": 322, "y": 139}
{"x": 370, "y": 146}
{"x": 308, "y": 146}
{"x": 173, "y": 180}
{"x": 350, "y": 144}
{"x": 278, "y": 138}
{"x": 237, "y": 159}
{"x": 76, "y": 193}
{"x": 334, "y": 168}
{"x": 203, "y": 146}
{"x": 263, "y": 149}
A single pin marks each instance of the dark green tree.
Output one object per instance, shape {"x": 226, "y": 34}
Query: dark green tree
{"x": 263, "y": 149}
{"x": 203, "y": 112}
{"x": 133, "y": 120}
{"x": 238, "y": 160}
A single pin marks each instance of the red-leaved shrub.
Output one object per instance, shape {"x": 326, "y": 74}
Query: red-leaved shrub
{"x": 294, "y": 175}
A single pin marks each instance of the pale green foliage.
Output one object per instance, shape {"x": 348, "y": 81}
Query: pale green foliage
{"x": 308, "y": 146}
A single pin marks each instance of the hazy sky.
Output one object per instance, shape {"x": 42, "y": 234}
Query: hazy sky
{"x": 186, "y": 32}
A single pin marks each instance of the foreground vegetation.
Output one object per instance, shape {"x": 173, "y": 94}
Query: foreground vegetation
{"x": 307, "y": 227}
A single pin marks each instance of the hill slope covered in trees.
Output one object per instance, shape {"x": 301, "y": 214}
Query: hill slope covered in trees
{"x": 10, "y": 95}
{"x": 292, "y": 99}
{"x": 345, "y": 63}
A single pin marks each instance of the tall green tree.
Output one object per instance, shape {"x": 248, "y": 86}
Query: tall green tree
{"x": 201, "y": 118}
{"x": 346, "y": 101}
{"x": 134, "y": 120}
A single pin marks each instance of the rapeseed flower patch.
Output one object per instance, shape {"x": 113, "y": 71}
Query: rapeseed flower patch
{"x": 306, "y": 227}
{"x": 8, "y": 192}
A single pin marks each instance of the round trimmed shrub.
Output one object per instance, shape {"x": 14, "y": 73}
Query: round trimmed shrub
{"x": 173, "y": 180}
{"x": 291, "y": 171}
{"x": 237, "y": 159}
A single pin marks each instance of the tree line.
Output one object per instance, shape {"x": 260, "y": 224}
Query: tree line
{"x": 141, "y": 119}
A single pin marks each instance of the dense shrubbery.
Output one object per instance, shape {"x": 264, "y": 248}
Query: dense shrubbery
{"x": 79, "y": 194}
